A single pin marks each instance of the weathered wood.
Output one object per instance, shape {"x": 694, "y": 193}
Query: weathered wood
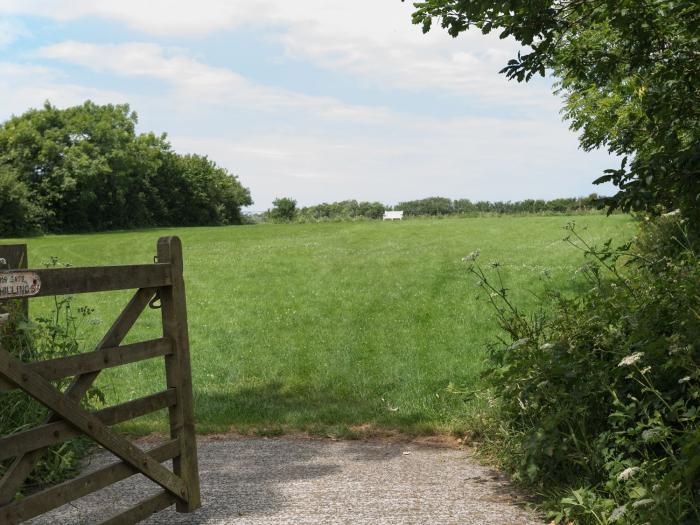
{"x": 142, "y": 510}
{"x": 17, "y": 473}
{"x": 97, "y": 360}
{"x": 63, "y": 281}
{"x": 16, "y": 258}
{"x": 70, "y": 419}
{"x": 54, "y": 433}
{"x": 47, "y": 394}
{"x": 53, "y": 497}
{"x": 178, "y": 372}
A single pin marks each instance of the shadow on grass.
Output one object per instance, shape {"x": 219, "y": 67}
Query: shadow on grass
{"x": 275, "y": 408}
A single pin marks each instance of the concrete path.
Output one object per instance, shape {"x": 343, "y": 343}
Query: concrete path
{"x": 294, "y": 481}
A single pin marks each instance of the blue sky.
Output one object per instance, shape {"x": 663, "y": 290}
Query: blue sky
{"x": 319, "y": 100}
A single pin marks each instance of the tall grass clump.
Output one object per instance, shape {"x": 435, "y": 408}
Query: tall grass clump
{"x": 596, "y": 398}
{"x": 50, "y": 336}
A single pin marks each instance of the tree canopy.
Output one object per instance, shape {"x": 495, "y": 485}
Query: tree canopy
{"x": 85, "y": 168}
{"x": 629, "y": 74}
{"x": 283, "y": 209}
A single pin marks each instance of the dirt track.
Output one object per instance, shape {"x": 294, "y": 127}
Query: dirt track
{"x": 295, "y": 481}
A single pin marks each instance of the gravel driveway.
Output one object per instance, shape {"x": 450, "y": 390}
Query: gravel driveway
{"x": 296, "y": 481}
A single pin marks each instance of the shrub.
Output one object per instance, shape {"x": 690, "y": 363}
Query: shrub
{"x": 598, "y": 396}
{"x": 285, "y": 209}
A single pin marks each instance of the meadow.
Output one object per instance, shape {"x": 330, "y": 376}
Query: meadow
{"x": 333, "y": 329}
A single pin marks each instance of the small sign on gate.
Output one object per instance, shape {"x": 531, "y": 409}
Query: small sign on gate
{"x": 17, "y": 284}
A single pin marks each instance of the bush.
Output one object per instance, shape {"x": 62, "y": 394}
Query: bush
{"x": 598, "y": 396}
{"x": 44, "y": 338}
{"x": 285, "y": 209}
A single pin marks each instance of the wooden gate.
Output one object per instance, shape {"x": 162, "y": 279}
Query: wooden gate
{"x": 158, "y": 285}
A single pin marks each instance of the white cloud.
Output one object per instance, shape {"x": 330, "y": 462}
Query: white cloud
{"x": 372, "y": 40}
{"x": 398, "y": 158}
{"x": 199, "y": 82}
{"x": 318, "y": 148}
{"x": 24, "y": 86}
{"x": 476, "y": 158}
{"x": 10, "y": 31}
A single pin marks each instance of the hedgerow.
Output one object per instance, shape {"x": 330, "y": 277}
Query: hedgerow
{"x": 596, "y": 398}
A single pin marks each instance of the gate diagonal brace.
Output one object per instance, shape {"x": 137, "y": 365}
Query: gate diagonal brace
{"x": 22, "y": 466}
{"x": 44, "y": 392}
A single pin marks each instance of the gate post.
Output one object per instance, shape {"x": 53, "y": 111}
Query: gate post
{"x": 178, "y": 371}
{"x": 15, "y": 257}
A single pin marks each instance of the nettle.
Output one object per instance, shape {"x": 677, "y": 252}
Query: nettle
{"x": 601, "y": 392}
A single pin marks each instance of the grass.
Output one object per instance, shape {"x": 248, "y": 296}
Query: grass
{"x": 329, "y": 328}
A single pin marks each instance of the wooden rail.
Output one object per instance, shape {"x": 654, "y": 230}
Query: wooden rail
{"x": 162, "y": 280}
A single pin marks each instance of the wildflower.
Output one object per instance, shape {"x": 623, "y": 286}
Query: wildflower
{"x": 519, "y": 343}
{"x": 642, "y": 502}
{"x": 631, "y": 359}
{"x": 683, "y": 380}
{"x": 617, "y": 513}
{"x": 472, "y": 256}
{"x": 645, "y": 369}
{"x": 627, "y": 473}
{"x": 651, "y": 435}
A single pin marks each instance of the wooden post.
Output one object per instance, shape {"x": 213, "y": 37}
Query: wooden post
{"x": 15, "y": 257}
{"x": 178, "y": 371}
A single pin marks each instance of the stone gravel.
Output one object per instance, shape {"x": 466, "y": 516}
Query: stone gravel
{"x": 298, "y": 481}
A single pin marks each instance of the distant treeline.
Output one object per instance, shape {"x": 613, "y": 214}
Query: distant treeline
{"x": 346, "y": 210}
{"x": 432, "y": 206}
{"x": 444, "y": 206}
{"x": 85, "y": 169}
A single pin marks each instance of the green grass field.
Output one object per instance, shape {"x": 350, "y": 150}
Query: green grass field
{"x": 329, "y": 328}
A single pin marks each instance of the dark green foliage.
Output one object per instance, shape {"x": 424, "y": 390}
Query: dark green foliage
{"x": 285, "y": 209}
{"x": 433, "y": 206}
{"x": 199, "y": 192}
{"x": 84, "y": 168}
{"x": 19, "y": 214}
{"x": 442, "y": 206}
{"x": 630, "y": 76}
{"x": 343, "y": 210}
{"x": 429, "y": 206}
{"x": 598, "y": 396}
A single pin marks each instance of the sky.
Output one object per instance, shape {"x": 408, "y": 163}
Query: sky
{"x": 318, "y": 100}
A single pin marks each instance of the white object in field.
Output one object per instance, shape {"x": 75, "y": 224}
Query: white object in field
{"x": 393, "y": 215}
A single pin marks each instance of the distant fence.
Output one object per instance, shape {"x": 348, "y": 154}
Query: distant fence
{"x": 158, "y": 285}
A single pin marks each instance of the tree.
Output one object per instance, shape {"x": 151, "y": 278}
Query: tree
{"x": 429, "y": 206}
{"x": 18, "y": 214}
{"x": 284, "y": 209}
{"x": 629, "y": 72}
{"x": 84, "y": 168}
{"x": 200, "y": 192}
